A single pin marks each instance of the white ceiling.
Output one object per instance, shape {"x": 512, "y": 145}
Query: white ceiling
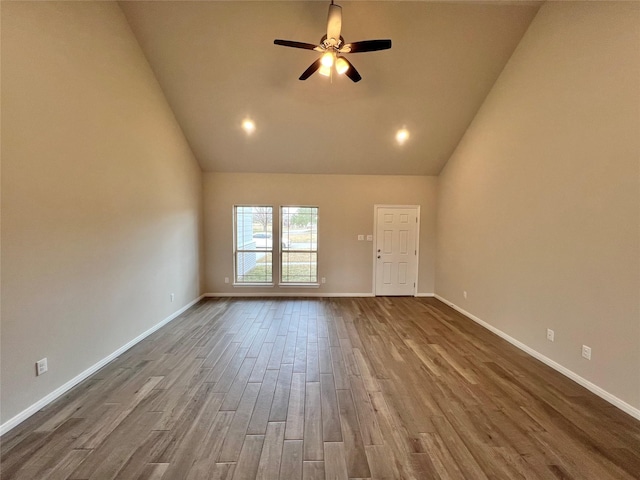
{"x": 217, "y": 64}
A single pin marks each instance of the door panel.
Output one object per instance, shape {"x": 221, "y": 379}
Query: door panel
{"x": 396, "y": 251}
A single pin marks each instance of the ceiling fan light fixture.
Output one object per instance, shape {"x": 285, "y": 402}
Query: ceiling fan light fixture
{"x": 341, "y": 65}
{"x": 325, "y": 71}
{"x": 327, "y": 59}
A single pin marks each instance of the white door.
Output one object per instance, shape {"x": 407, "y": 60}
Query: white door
{"x": 396, "y": 250}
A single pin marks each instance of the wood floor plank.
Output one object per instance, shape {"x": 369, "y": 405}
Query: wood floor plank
{"x": 324, "y": 356}
{"x": 63, "y": 468}
{"x": 111, "y": 455}
{"x": 395, "y": 436}
{"x": 280, "y": 402}
{"x": 335, "y": 464}
{"x": 261, "y": 363}
{"x": 370, "y": 381}
{"x": 373, "y": 388}
{"x": 249, "y": 458}
{"x": 262, "y": 409}
{"x": 369, "y": 428}
{"x": 289, "y": 352}
{"x": 291, "y": 465}
{"x": 39, "y": 451}
{"x": 154, "y": 471}
{"x": 237, "y": 430}
{"x": 300, "y": 356}
{"x": 357, "y": 465}
{"x": 313, "y": 442}
{"x": 235, "y": 390}
{"x": 331, "y": 429}
{"x": 465, "y": 460}
{"x": 338, "y": 369}
{"x": 185, "y": 454}
{"x": 211, "y": 356}
{"x": 209, "y": 450}
{"x": 312, "y": 330}
{"x": 156, "y": 442}
{"x": 381, "y": 468}
{"x": 444, "y": 463}
{"x": 233, "y": 367}
{"x": 221, "y": 363}
{"x": 312, "y": 367}
{"x": 295, "y": 411}
{"x": 101, "y": 431}
{"x": 323, "y": 331}
{"x": 257, "y": 343}
{"x": 271, "y": 457}
{"x": 275, "y": 359}
{"x": 313, "y": 471}
{"x": 274, "y": 328}
{"x": 348, "y": 355}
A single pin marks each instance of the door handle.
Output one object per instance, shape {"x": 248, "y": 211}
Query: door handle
{"x": 378, "y": 256}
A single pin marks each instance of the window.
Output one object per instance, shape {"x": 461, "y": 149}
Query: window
{"x": 299, "y": 245}
{"x": 253, "y": 244}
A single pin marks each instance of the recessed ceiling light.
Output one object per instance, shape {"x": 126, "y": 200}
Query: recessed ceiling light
{"x": 402, "y": 136}
{"x": 248, "y": 126}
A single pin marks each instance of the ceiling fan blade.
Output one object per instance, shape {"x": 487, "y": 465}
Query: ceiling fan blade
{"x": 291, "y": 43}
{"x": 366, "y": 46}
{"x": 311, "y": 70}
{"x": 352, "y": 73}
{"x": 334, "y": 22}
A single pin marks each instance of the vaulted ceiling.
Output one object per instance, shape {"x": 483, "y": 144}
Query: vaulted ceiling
{"x": 217, "y": 65}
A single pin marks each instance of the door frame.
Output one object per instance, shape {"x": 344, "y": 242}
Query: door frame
{"x": 375, "y": 242}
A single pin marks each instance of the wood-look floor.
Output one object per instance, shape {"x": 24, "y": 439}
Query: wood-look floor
{"x": 380, "y": 388}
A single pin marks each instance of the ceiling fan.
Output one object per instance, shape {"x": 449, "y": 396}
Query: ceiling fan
{"x": 332, "y": 47}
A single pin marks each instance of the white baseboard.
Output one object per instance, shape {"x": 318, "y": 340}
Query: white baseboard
{"x": 612, "y": 399}
{"x": 43, "y": 402}
{"x": 430, "y": 295}
{"x": 287, "y": 294}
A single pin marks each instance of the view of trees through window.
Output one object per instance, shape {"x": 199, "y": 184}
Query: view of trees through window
{"x": 299, "y": 261}
{"x": 254, "y": 244}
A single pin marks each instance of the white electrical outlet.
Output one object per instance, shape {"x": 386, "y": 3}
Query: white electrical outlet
{"x": 360, "y": 238}
{"x": 369, "y": 238}
{"x": 41, "y": 367}
{"x": 324, "y": 280}
{"x": 550, "y": 334}
{"x": 464, "y": 294}
{"x": 226, "y": 279}
{"x": 172, "y": 296}
{"x": 586, "y": 352}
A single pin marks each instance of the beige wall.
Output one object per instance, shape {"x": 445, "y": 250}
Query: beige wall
{"x": 538, "y": 209}
{"x": 101, "y": 195}
{"x": 345, "y": 204}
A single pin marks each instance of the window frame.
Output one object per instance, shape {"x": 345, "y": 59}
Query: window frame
{"x": 281, "y": 228}
{"x": 237, "y": 251}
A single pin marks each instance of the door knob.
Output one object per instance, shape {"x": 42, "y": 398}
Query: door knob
{"x": 378, "y": 256}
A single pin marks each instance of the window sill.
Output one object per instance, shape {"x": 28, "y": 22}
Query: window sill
{"x": 299, "y": 285}
{"x": 264, "y": 285}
